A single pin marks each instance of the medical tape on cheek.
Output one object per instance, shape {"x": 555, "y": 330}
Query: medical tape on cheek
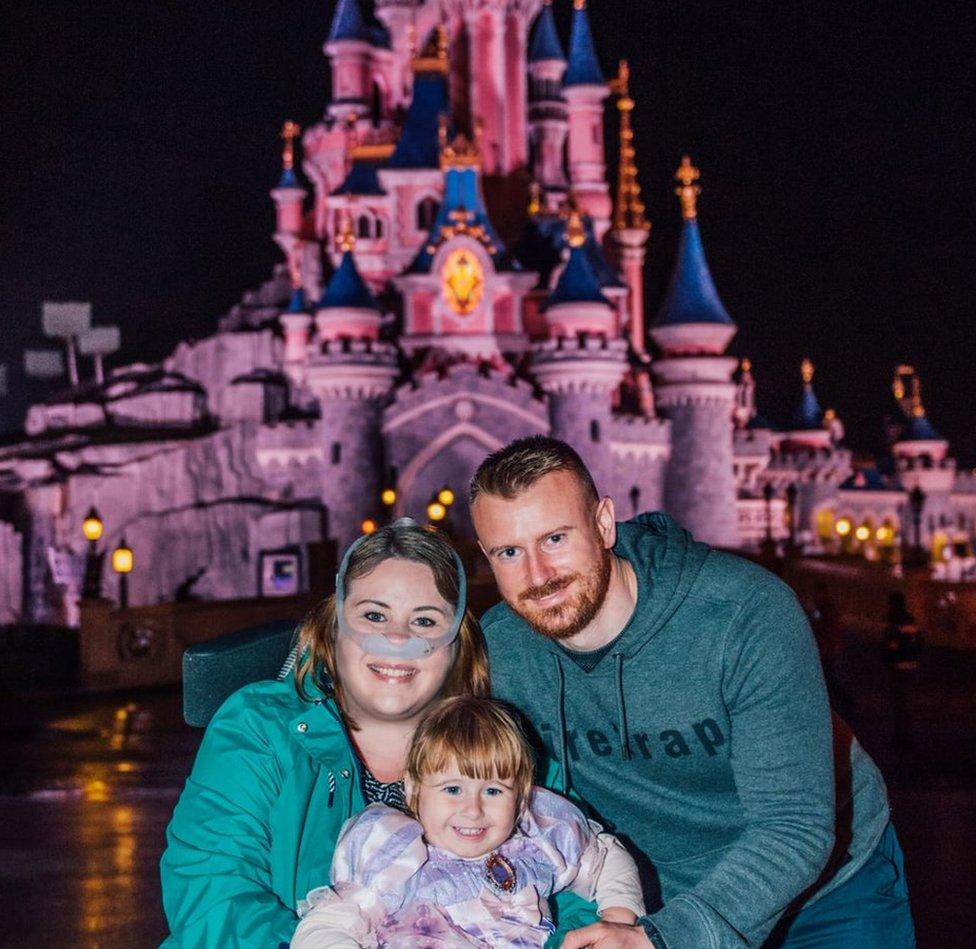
{"x": 411, "y": 646}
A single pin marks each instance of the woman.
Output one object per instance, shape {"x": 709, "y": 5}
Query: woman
{"x": 284, "y": 764}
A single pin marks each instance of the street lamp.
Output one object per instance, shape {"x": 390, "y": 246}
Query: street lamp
{"x": 445, "y": 496}
{"x": 768, "y": 546}
{"x": 368, "y": 526}
{"x": 388, "y": 497}
{"x": 122, "y": 563}
{"x": 791, "y": 493}
{"x": 436, "y": 511}
{"x": 92, "y": 527}
{"x": 916, "y": 502}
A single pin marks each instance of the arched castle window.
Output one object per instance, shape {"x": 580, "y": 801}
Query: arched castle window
{"x": 336, "y": 453}
{"x": 427, "y": 213}
{"x": 363, "y": 230}
{"x": 379, "y": 227}
{"x": 594, "y": 430}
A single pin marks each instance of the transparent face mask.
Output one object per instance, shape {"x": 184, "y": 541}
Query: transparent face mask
{"x": 417, "y": 634}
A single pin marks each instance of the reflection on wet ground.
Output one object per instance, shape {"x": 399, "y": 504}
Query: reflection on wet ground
{"x": 87, "y": 785}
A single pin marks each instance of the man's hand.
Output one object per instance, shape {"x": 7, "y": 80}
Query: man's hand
{"x": 608, "y": 936}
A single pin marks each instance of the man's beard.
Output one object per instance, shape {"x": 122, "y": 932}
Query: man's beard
{"x": 566, "y": 619}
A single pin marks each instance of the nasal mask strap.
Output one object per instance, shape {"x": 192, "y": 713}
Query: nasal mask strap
{"x": 412, "y": 646}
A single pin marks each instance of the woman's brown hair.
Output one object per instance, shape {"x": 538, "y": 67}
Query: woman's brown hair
{"x": 317, "y": 636}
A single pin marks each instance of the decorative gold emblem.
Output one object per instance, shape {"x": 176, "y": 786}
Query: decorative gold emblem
{"x": 688, "y": 174}
{"x": 463, "y": 281}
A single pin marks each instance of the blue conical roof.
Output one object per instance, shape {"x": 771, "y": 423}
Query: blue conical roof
{"x": 297, "y": 302}
{"x": 808, "y": 415}
{"x": 347, "y": 288}
{"x": 577, "y": 283}
{"x": 462, "y": 193}
{"x": 919, "y": 429}
{"x": 347, "y": 23}
{"x": 544, "y": 43}
{"x": 289, "y": 179}
{"x": 362, "y": 179}
{"x": 692, "y": 297}
{"x": 584, "y": 67}
{"x": 418, "y": 146}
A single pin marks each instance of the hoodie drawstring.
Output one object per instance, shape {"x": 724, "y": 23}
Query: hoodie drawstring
{"x": 561, "y": 711}
{"x": 621, "y": 708}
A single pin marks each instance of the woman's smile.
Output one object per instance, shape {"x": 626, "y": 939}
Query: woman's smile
{"x": 392, "y": 672}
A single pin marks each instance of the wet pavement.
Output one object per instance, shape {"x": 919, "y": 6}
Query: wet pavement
{"x": 87, "y": 785}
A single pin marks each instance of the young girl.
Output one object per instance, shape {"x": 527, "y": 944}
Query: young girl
{"x": 477, "y": 858}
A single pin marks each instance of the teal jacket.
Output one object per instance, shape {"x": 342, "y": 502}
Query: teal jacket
{"x": 255, "y": 827}
{"x": 703, "y": 738}
{"x": 273, "y": 782}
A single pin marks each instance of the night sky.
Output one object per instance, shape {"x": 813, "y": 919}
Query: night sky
{"x": 836, "y": 143}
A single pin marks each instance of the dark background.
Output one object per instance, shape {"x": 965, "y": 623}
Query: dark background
{"x": 836, "y": 143}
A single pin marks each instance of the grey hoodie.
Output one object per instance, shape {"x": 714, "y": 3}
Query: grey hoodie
{"x": 703, "y": 739}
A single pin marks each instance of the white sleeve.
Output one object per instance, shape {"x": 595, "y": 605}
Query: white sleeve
{"x": 618, "y": 883}
{"x": 331, "y": 924}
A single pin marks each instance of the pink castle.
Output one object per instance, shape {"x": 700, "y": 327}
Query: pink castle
{"x": 458, "y": 270}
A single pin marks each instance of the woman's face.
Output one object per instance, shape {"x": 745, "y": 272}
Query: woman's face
{"x": 397, "y": 597}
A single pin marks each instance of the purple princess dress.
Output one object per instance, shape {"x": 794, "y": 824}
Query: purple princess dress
{"x": 391, "y": 889}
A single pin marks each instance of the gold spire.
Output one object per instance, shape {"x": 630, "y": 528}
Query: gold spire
{"x": 289, "y": 132}
{"x": 579, "y": 4}
{"x": 688, "y": 174}
{"x": 629, "y": 212}
{"x": 346, "y": 239}
{"x": 918, "y": 410}
{"x": 433, "y": 57}
{"x": 461, "y": 151}
{"x": 746, "y": 366}
{"x": 806, "y": 371}
{"x": 535, "y": 199}
{"x": 575, "y": 232}
{"x": 910, "y": 399}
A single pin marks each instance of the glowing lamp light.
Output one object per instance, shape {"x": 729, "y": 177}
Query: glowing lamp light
{"x": 92, "y": 526}
{"x": 863, "y": 533}
{"x": 843, "y": 527}
{"x": 436, "y": 511}
{"x": 445, "y": 496}
{"x": 388, "y": 497}
{"x": 122, "y": 559}
{"x": 885, "y": 534}
{"x": 368, "y": 526}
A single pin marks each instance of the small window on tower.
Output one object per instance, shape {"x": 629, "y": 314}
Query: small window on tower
{"x": 427, "y": 214}
{"x": 362, "y": 227}
{"x": 594, "y": 430}
{"x": 379, "y": 227}
{"x": 336, "y": 453}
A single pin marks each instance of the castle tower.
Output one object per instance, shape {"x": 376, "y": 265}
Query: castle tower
{"x": 489, "y": 86}
{"x": 288, "y": 195}
{"x": 585, "y": 90}
{"x": 350, "y": 51}
{"x": 400, "y": 19}
{"x": 583, "y": 363}
{"x": 922, "y": 460}
{"x": 548, "y": 116}
{"x": 693, "y": 386}
{"x": 807, "y": 427}
{"x": 631, "y": 229}
{"x": 348, "y": 309}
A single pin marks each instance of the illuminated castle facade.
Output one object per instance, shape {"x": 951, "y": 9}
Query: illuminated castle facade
{"x": 459, "y": 269}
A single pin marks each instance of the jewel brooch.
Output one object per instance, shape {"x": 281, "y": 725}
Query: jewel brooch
{"x": 500, "y": 873}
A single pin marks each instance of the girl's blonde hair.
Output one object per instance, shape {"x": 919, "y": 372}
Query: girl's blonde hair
{"x": 317, "y": 636}
{"x": 478, "y": 736}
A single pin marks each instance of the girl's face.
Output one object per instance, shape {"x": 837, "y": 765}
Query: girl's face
{"x": 398, "y": 596}
{"x": 468, "y": 817}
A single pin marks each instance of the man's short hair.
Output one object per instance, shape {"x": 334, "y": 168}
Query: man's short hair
{"x": 515, "y": 468}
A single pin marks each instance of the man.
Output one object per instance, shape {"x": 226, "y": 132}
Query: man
{"x": 678, "y": 689}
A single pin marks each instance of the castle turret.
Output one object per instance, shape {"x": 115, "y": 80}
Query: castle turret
{"x": 548, "y": 116}
{"x": 288, "y": 195}
{"x": 347, "y": 309}
{"x": 807, "y": 426}
{"x": 921, "y": 453}
{"x": 585, "y": 90}
{"x": 693, "y": 386}
{"x": 349, "y": 49}
{"x": 583, "y": 363}
{"x": 631, "y": 229}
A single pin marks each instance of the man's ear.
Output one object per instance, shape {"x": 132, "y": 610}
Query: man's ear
{"x": 606, "y": 522}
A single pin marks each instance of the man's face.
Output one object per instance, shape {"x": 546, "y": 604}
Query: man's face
{"x": 549, "y": 549}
